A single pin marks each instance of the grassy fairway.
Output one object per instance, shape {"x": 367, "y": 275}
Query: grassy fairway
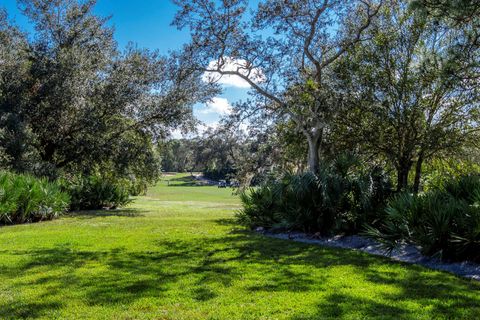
{"x": 177, "y": 254}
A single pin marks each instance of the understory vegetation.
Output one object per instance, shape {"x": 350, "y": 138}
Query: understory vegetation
{"x": 177, "y": 253}
{"x": 97, "y": 191}
{"x": 341, "y": 198}
{"x": 24, "y": 198}
{"x": 444, "y": 222}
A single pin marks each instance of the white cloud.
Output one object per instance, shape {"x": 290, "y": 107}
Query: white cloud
{"x": 229, "y": 64}
{"x": 217, "y": 105}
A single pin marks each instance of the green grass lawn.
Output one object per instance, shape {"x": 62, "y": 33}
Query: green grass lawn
{"x": 178, "y": 254}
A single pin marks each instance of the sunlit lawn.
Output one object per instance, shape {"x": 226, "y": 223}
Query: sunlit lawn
{"x": 177, "y": 254}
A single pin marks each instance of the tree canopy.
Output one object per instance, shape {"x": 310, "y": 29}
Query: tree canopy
{"x": 394, "y": 81}
{"x": 78, "y": 102}
{"x": 281, "y": 47}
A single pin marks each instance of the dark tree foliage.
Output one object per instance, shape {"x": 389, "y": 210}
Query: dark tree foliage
{"x": 464, "y": 16}
{"x": 85, "y": 103}
{"x": 407, "y": 104}
{"x": 459, "y": 11}
{"x": 15, "y": 151}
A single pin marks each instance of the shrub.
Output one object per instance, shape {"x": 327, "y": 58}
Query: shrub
{"x": 440, "y": 171}
{"x": 444, "y": 222}
{"x": 259, "y": 205}
{"x": 24, "y": 198}
{"x": 338, "y": 199}
{"x": 136, "y": 186}
{"x": 96, "y": 191}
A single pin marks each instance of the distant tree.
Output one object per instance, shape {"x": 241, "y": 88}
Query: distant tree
{"x": 168, "y": 160}
{"x": 177, "y": 155}
{"x": 260, "y": 157}
{"x": 214, "y": 153}
{"x": 217, "y": 152}
{"x": 278, "y": 49}
{"x": 257, "y": 151}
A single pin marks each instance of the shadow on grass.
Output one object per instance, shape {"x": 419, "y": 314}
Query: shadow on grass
{"x": 339, "y": 306}
{"x": 24, "y": 310}
{"x": 89, "y": 214}
{"x": 210, "y": 265}
{"x": 188, "y": 181}
{"x": 229, "y": 222}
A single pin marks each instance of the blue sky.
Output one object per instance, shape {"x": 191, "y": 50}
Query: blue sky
{"x": 147, "y": 23}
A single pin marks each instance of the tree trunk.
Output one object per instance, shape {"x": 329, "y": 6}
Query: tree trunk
{"x": 418, "y": 173}
{"x": 402, "y": 175}
{"x": 314, "y": 144}
{"x": 48, "y": 151}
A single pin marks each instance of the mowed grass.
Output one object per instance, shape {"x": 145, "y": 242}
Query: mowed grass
{"x": 178, "y": 254}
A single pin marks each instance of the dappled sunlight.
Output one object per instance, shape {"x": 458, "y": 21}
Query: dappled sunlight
{"x": 131, "y": 212}
{"x": 240, "y": 264}
{"x": 195, "y": 262}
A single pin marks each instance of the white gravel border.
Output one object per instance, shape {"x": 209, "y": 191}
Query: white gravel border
{"x": 405, "y": 253}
